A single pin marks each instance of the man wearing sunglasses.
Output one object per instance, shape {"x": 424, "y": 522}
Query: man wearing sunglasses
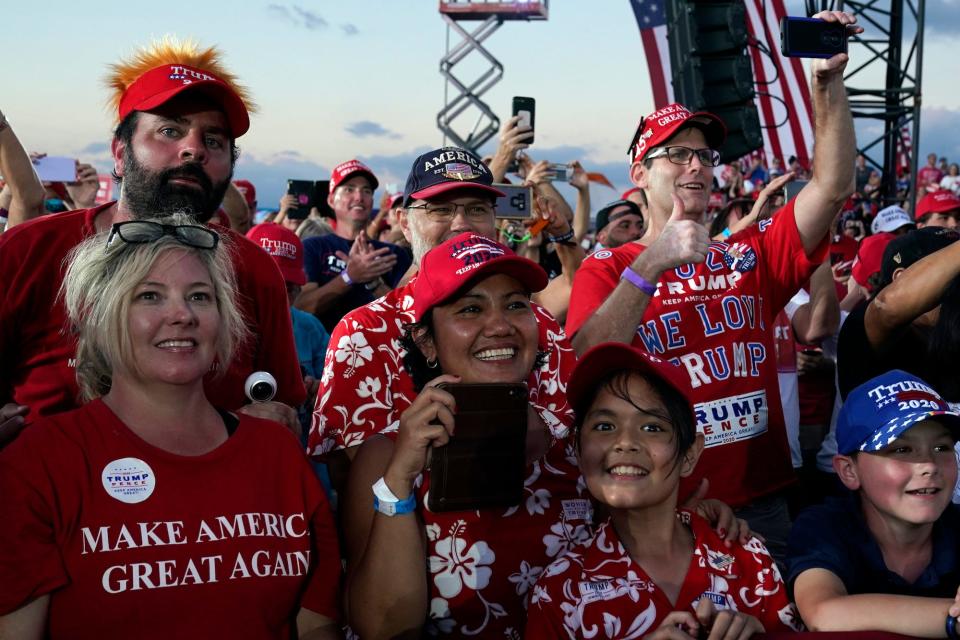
{"x": 710, "y": 307}
{"x": 179, "y": 113}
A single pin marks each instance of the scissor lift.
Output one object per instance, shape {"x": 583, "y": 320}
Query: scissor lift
{"x": 491, "y": 16}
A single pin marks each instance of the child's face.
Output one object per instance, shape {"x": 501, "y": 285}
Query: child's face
{"x": 911, "y": 480}
{"x": 628, "y": 454}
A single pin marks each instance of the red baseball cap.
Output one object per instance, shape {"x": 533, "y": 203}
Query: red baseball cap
{"x": 661, "y": 125}
{"x": 161, "y": 84}
{"x": 869, "y": 258}
{"x": 347, "y": 170}
{"x": 451, "y": 266}
{"x": 937, "y": 202}
{"x": 284, "y": 247}
{"x": 613, "y": 356}
{"x": 247, "y": 190}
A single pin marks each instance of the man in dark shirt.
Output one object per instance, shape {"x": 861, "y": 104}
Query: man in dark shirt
{"x": 893, "y": 329}
{"x": 345, "y": 269}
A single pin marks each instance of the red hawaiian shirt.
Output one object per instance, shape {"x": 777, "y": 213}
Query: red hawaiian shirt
{"x": 598, "y": 586}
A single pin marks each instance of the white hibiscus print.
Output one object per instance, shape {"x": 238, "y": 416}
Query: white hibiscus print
{"x": 440, "y": 618}
{"x": 526, "y": 577}
{"x": 368, "y": 387}
{"x": 564, "y": 537}
{"x": 538, "y": 501}
{"x": 354, "y": 350}
{"x": 457, "y": 567}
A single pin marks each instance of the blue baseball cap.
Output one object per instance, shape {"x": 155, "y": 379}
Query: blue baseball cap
{"x": 447, "y": 169}
{"x": 879, "y": 410}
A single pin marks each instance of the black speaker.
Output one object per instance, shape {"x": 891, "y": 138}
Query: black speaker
{"x": 711, "y": 70}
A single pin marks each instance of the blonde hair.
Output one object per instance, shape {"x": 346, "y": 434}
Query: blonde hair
{"x": 97, "y": 291}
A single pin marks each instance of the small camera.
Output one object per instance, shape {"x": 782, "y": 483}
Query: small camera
{"x": 260, "y": 386}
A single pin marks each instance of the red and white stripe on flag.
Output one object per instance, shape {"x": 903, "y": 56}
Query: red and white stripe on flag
{"x": 790, "y": 108}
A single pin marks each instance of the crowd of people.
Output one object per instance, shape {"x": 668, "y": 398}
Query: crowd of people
{"x": 740, "y": 414}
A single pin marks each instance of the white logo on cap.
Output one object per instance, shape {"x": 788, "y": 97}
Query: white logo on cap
{"x": 129, "y": 480}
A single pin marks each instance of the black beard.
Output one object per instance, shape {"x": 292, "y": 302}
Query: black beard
{"x": 147, "y": 194}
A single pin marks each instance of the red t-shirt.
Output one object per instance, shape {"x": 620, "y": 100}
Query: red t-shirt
{"x": 716, "y": 319}
{"x": 38, "y": 350}
{"x": 928, "y": 175}
{"x": 482, "y": 564}
{"x": 599, "y": 586}
{"x": 365, "y": 388}
{"x": 133, "y": 541}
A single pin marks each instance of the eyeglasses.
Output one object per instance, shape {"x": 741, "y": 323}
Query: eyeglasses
{"x": 144, "y": 231}
{"x": 444, "y": 212}
{"x": 684, "y": 155}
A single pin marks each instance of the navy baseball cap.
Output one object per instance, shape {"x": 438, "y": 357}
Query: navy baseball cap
{"x": 447, "y": 169}
{"x": 912, "y": 247}
{"x": 879, "y": 410}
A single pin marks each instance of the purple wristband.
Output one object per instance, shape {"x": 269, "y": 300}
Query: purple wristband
{"x": 639, "y": 281}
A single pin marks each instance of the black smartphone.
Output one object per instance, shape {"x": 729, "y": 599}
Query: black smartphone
{"x": 518, "y": 203}
{"x": 322, "y": 191}
{"x": 306, "y": 195}
{"x": 811, "y": 37}
{"x": 526, "y": 108}
{"x": 791, "y": 189}
{"x": 484, "y": 464}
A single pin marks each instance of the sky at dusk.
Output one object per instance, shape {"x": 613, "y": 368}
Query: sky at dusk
{"x": 337, "y": 80}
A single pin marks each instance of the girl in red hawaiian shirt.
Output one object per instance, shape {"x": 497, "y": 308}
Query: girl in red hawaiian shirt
{"x": 651, "y": 568}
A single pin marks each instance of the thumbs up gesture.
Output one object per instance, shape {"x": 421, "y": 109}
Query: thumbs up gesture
{"x": 683, "y": 240}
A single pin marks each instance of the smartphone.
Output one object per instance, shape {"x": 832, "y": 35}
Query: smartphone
{"x": 56, "y": 169}
{"x": 484, "y": 464}
{"x": 322, "y": 191}
{"x": 811, "y": 37}
{"x": 561, "y": 172}
{"x": 525, "y": 108}
{"x": 306, "y": 195}
{"x": 518, "y": 203}
{"x": 791, "y": 189}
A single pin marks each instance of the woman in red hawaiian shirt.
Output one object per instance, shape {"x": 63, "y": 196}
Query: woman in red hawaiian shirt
{"x": 461, "y": 573}
{"x": 651, "y": 568}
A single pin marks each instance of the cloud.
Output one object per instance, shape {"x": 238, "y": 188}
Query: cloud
{"x": 365, "y": 128}
{"x": 298, "y": 16}
{"x": 95, "y": 148}
{"x": 350, "y": 29}
{"x": 939, "y": 133}
{"x": 942, "y": 18}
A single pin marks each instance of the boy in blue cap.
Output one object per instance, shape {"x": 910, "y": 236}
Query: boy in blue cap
{"x": 886, "y": 556}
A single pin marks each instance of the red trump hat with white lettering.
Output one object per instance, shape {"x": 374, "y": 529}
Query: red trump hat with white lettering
{"x": 351, "y": 169}
{"x": 284, "y": 247}
{"x": 661, "y": 125}
{"x": 451, "y": 266}
{"x": 169, "y": 67}
{"x": 447, "y": 169}
{"x": 937, "y": 202}
{"x": 606, "y": 358}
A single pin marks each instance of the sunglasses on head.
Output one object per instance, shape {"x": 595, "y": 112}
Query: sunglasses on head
{"x": 145, "y": 231}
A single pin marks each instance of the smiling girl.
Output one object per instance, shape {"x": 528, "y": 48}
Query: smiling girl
{"x": 651, "y": 568}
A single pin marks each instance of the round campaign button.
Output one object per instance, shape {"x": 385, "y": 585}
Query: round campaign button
{"x": 129, "y": 480}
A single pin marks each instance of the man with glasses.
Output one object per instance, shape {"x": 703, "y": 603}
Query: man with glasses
{"x": 710, "y": 307}
{"x": 345, "y": 269}
{"x": 179, "y": 113}
{"x": 365, "y": 387}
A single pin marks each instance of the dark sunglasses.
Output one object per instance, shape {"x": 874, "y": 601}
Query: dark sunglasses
{"x": 144, "y": 231}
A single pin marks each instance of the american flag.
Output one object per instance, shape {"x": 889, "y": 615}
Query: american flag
{"x": 904, "y": 146}
{"x": 783, "y": 96}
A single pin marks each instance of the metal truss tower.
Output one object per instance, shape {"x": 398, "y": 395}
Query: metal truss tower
{"x": 884, "y": 84}
{"x": 468, "y": 101}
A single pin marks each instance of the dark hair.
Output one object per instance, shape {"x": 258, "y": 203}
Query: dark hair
{"x": 128, "y": 126}
{"x": 678, "y": 408}
{"x": 416, "y": 364}
{"x": 943, "y": 344}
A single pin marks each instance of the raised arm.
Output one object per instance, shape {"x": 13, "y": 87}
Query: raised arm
{"x": 25, "y": 187}
{"x": 819, "y": 318}
{"x": 835, "y": 144}
{"x": 512, "y": 140}
{"x": 913, "y": 292}
{"x": 581, "y": 215}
